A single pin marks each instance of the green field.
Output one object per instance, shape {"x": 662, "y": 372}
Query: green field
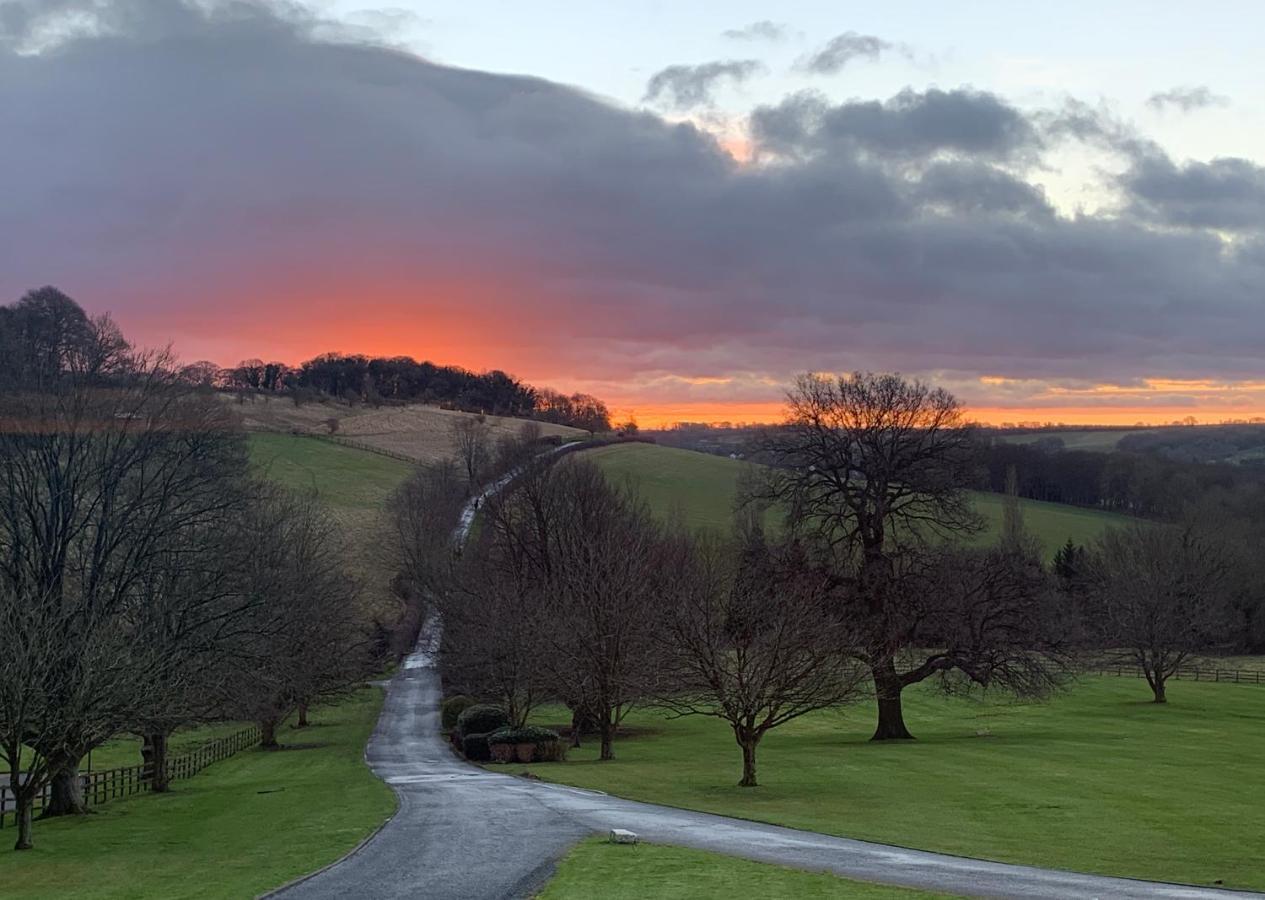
{"x": 596, "y": 868}
{"x": 242, "y": 826}
{"x": 1097, "y": 440}
{"x": 701, "y": 488}
{"x": 343, "y": 478}
{"x": 1098, "y": 780}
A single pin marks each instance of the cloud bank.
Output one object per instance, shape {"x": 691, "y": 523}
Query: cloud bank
{"x": 249, "y": 181}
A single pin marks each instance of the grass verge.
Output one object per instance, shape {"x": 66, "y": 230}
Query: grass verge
{"x": 1097, "y": 780}
{"x": 244, "y": 825}
{"x": 596, "y": 868}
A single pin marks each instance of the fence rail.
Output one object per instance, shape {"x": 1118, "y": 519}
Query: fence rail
{"x": 1192, "y": 673}
{"x": 108, "y": 784}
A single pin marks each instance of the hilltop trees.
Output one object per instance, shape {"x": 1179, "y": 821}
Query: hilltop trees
{"x": 873, "y": 468}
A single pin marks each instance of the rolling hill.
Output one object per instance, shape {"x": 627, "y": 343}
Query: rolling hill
{"x": 701, "y": 488}
{"x": 421, "y": 433}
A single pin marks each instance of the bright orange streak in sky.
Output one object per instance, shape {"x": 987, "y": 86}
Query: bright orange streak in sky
{"x": 663, "y": 416}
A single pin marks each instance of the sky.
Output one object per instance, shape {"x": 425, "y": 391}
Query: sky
{"x": 675, "y": 206}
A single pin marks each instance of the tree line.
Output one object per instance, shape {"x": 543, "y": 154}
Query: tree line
{"x": 376, "y": 380}
{"x": 147, "y": 579}
{"x": 853, "y": 570}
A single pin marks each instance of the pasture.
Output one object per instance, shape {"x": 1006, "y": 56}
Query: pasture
{"x": 1098, "y": 779}
{"x": 246, "y": 824}
{"x": 419, "y": 432}
{"x": 701, "y": 489}
{"x": 1099, "y": 440}
{"x": 596, "y": 868}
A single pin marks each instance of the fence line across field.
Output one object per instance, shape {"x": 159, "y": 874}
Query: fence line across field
{"x": 1221, "y": 676}
{"x": 108, "y": 784}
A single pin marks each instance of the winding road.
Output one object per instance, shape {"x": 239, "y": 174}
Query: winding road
{"x": 465, "y": 833}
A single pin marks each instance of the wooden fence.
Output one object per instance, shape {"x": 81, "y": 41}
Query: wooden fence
{"x": 107, "y": 784}
{"x": 1221, "y": 676}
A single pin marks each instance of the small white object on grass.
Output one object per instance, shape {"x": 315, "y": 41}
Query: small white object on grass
{"x": 621, "y": 836}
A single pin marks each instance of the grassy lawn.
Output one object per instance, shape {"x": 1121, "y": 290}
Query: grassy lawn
{"x": 1098, "y": 780}
{"x": 343, "y": 478}
{"x": 244, "y": 825}
{"x": 596, "y": 868}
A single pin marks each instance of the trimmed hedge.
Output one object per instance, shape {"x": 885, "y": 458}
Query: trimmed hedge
{"x": 482, "y": 718}
{"x": 546, "y": 745}
{"x": 528, "y": 734}
{"x": 475, "y": 747}
{"x": 452, "y": 709}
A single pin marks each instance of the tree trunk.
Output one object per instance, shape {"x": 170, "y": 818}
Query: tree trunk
{"x": 748, "y": 744}
{"x": 577, "y": 725}
{"x": 607, "y": 736}
{"x": 154, "y": 752}
{"x": 891, "y": 716}
{"x": 302, "y": 723}
{"x": 65, "y": 793}
{"x": 24, "y": 824}
{"x": 268, "y": 734}
{"x": 1155, "y": 680}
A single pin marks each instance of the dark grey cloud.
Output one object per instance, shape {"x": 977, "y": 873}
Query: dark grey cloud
{"x": 1186, "y": 99}
{"x": 764, "y": 30}
{"x": 686, "y": 87}
{"x": 846, "y": 48}
{"x": 1225, "y": 194}
{"x": 196, "y": 172}
{"x": 911, "y": 124}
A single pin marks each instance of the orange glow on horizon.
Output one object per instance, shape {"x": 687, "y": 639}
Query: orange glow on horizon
{"x": 653, "y": 417}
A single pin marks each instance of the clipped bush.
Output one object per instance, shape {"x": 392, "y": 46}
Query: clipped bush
{"x": 482, "y": 718}
{"x": 528, "y": 734}
{"x": 527, "y": 744}
{"x": 475, "y": 747}
{"x": 551, "y": 751}
{"x": 452, "y": 709}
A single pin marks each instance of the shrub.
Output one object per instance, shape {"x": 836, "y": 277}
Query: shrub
{"x": 482, "y": 718}
{"x": 548, "y": 746}
{"x": 453, "y": 707}
{"x": 551, "y": 751}
{"x": 528, "y": 734}
{"x": 475, "y": 747}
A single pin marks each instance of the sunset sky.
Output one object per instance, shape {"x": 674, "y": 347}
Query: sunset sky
{"x": 675, "y": 206}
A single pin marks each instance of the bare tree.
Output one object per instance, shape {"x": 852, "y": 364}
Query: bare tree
{"x": 307, "y": 643}
{"x": 569, "y": 569}
{"x": 754, "y": 637}
{"x": 1158, "y": 593}
{"x": 494, "y": 628}
{"x": 417, "y": 545}
{"x": 106, "y": 465}
{"x": 607, "y": 590}
{"x": 874, "y": 468}
{"x": 472, "y": 439}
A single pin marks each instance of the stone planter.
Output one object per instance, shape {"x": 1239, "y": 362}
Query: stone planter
{"x": 525, "y": 752}
{"x": 503, "y": 753}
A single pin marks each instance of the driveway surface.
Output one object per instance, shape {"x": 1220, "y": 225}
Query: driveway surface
{"x": 464, "y": 833}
